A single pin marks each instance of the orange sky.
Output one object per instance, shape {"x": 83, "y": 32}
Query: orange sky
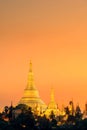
{"x": 53, "y": 34}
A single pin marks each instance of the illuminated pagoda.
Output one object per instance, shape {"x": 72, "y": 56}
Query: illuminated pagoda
{"x": 52, "y": 106}
{"x": 31, "y": 95}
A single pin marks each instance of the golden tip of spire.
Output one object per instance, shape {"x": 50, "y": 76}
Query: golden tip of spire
{"x": 30, "y": 66}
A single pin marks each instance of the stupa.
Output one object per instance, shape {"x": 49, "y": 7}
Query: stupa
{"x": 52, "y": 106}
{"x": 31, "y": 95}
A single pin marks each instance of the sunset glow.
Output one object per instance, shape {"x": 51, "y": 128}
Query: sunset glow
{"x": 53, "y": 35}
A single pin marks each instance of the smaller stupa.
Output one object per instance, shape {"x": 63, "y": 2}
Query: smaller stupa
{"x": 52, "y": 106}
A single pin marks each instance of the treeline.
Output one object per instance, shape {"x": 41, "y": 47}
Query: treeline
{"x": 27, "y": 120}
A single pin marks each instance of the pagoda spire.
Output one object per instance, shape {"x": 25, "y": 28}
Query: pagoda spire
{"x": 30, "y": 82}
{"x": 52, "y": 103}
{"x": 52, "y": 106}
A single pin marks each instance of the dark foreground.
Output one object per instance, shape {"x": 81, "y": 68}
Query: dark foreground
{"x": 42, "y": 124}
{"x": 27, "y": 120}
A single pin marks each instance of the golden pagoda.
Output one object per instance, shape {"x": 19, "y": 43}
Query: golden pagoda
{"x": 31, "y": 95}
{"x": 52, "y": 106}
